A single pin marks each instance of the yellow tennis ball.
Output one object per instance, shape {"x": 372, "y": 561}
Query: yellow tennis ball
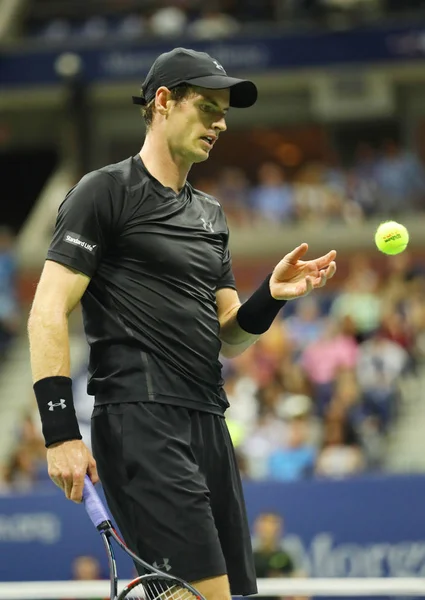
{"x": 391, "y": 237}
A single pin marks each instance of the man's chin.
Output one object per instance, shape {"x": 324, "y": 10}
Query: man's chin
{"x": 201, "y": 156}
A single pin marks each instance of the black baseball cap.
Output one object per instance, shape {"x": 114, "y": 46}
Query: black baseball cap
{"x": 195, "y": 68}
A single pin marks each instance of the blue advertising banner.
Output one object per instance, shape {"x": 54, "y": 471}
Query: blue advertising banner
{"x": 118, "y": 62}
{"x": 362, "y": 527}
{"x": 366, "y": 527}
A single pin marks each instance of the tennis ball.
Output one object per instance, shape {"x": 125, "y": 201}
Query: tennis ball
{"x": 391, "y": 237}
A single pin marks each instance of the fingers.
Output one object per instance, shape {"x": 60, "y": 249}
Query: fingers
{"x": 325, "y": 260}
{"x": 297, "y": 253}
{"x": 325, "y": 275}
{"x": 68, "y": 463}
{"x": 309, "y": 285}
{"x": 57, "y": 480}
{"x": 92, "y": 471}
{"x": 76, "y": 493}
{"x": 67, "y": 478}
{"x": 331, "y": 270}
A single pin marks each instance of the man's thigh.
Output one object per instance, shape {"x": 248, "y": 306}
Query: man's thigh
{"x": 227, "y": 503}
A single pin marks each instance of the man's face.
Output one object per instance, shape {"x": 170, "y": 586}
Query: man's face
{"x": 194, "y": 124}
{"x": 268, "y": 528}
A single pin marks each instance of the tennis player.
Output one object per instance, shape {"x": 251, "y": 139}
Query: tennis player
{"x": 148, "y": 256}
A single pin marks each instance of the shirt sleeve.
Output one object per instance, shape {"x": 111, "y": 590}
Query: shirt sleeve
{"x": 227, "y": 279}
{"x": 85, "y": 224}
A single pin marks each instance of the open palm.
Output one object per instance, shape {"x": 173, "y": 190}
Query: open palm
{"x": 293, "y": 277}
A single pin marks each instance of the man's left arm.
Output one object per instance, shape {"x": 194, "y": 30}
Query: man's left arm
{"x": 234, "y": 339}
{"x": 242, "y": 324}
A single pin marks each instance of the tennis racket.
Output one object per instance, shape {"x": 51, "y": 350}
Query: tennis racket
{"x": 155, "y": 585}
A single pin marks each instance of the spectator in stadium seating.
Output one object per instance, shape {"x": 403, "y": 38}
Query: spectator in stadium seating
{"x": 296, "y": 456}
{"x": 401, "y": 180}
{"x": 241, "y": 416}
{"x": 56, "y": 30}
{"x": 348, "y": 407}
{"x": 362, "y": 192}
{"x": 402, "y": 315}
{"x": 413, "y": 309}
{"x": 269, "y": 353}
{"x": 233, "y": 191}
{"x": 27, "y": 463}
{"x": 334, "y": 174}
{"x": 131, "y": 26}
{"x": 213, "y": 23}
{"x": 306, "y": 325}
{"x": 21, "y": 469}
{"x": 9, "y": 310}
{"x": 293, "y": 378}
{"x": 86, "y": 568}
{"x": 322, "y": 360}
{"x": 314, "y": 198}
{"x": 395, "y": 328}
{"x": 30, "y": 436}
{"x": 95, "y": 28}
{"x": 341, "y": 454}
{"x": 365, "y": 160}
{"x": 272, "y": 199}
{"x": 168, "y": 21}
{"x": 380, "y": 364}
{"x": 359, "y": 301}
{"x": 270, "y": 555}
{"x": 266, "y": 437}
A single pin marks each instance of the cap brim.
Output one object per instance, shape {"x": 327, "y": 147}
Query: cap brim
{"x": 243, "y": 93}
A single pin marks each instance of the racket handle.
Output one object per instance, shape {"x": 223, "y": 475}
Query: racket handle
{"x": 93, "y": 504}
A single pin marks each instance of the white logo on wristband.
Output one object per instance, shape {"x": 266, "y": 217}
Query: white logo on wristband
{"x": 53, "y": 405}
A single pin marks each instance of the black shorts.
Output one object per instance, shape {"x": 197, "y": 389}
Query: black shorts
{"x": 173, "y": 487}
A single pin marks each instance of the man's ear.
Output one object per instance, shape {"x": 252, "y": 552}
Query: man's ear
{"x": 162, "y": 97}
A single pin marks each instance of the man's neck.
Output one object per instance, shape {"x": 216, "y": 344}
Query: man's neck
{"x": 162, "y": 165}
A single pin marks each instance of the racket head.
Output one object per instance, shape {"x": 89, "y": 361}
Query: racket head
{"x": 159, "y": 587}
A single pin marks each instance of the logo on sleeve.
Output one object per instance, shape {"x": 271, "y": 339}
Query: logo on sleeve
{"x": 207, "y": 225}
{"x": 77, "y": 240}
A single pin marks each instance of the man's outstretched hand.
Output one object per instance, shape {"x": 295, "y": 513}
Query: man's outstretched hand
{"x": 293, "y": 278}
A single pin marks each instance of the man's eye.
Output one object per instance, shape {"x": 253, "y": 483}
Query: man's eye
{"x": 206, "y": 108}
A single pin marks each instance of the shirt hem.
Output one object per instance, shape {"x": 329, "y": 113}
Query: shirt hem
{"x": 164, "y": 399}
{"x": 67, "y": 261}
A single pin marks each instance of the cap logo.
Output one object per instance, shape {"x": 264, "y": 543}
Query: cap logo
{"x": 218, "y": 65}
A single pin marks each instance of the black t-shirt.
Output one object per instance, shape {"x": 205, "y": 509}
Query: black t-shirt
{"x": 156, "y": 260}
{"x": 273, "y": 563}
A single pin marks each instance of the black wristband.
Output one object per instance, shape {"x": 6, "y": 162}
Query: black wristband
{"x": 56, "y": 407}
{"x": 260, "y": 310}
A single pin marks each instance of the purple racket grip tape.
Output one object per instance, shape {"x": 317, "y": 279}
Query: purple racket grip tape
{"x": 93, "y": 504}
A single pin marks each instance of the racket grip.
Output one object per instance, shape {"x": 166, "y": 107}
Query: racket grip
{"x": 93, "y": 504}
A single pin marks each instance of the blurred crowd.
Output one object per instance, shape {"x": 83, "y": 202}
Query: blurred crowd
{"x": 194, "y": 19}
{"x": 386, "y": 180}
{"x": 9, "y": 306}
{"x": 317, "y": 395}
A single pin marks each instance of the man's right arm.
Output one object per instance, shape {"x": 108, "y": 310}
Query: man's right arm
{"x": 58, "y": 292}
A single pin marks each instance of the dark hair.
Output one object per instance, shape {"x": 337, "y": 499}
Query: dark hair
{"x": 178, "y": 93}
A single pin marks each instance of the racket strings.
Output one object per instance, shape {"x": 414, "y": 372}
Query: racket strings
{"x": 159, "y": 590}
